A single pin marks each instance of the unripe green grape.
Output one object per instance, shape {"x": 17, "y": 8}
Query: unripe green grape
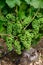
{"x": 36, "y": 25}
{"x": 9, "y": 41}
{"x": 26, "y": 39}
{"x": 17, "y": 47}
{"x": 9, "y": 27}
{"x": 26, "y": 21}
{"x": 9, "y": 38}
{"x": 17, "y": 27}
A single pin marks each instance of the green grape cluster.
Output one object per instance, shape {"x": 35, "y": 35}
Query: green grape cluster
{"x": 16, "y": 32}
{"x": 36, "y": 25}
{"x": 9, "y": 39}
{"x": 17, "y": 27}
{"x": 19, "y": 38}
{"x": 26, "y": 39}
{"x": 17, "y": 46}
{"x": 41, "y": 23}
{"x": 26, "y": 21}
{"x": 20, "y": 24}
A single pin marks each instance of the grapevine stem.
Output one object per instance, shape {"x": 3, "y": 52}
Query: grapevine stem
{"x": 4, "y": 35}
{"x": 7, "y": 35}
{"x": 33, "y": 17}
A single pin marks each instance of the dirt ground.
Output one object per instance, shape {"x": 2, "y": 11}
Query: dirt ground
{"x": 13, "y": 59}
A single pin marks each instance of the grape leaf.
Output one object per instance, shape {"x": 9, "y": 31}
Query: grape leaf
{"x": 12, "y": 3}
{"x": 35, "y": 3}
{"x": 2, "y": 3}
{"x": 28, "y": 1}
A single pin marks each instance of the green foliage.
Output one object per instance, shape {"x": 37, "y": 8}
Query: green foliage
{"x": 35, "y": 3}
{"x": 2, "y": 3}
{"x": 12, "y": 3}
{"x": 20, "y": 27}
